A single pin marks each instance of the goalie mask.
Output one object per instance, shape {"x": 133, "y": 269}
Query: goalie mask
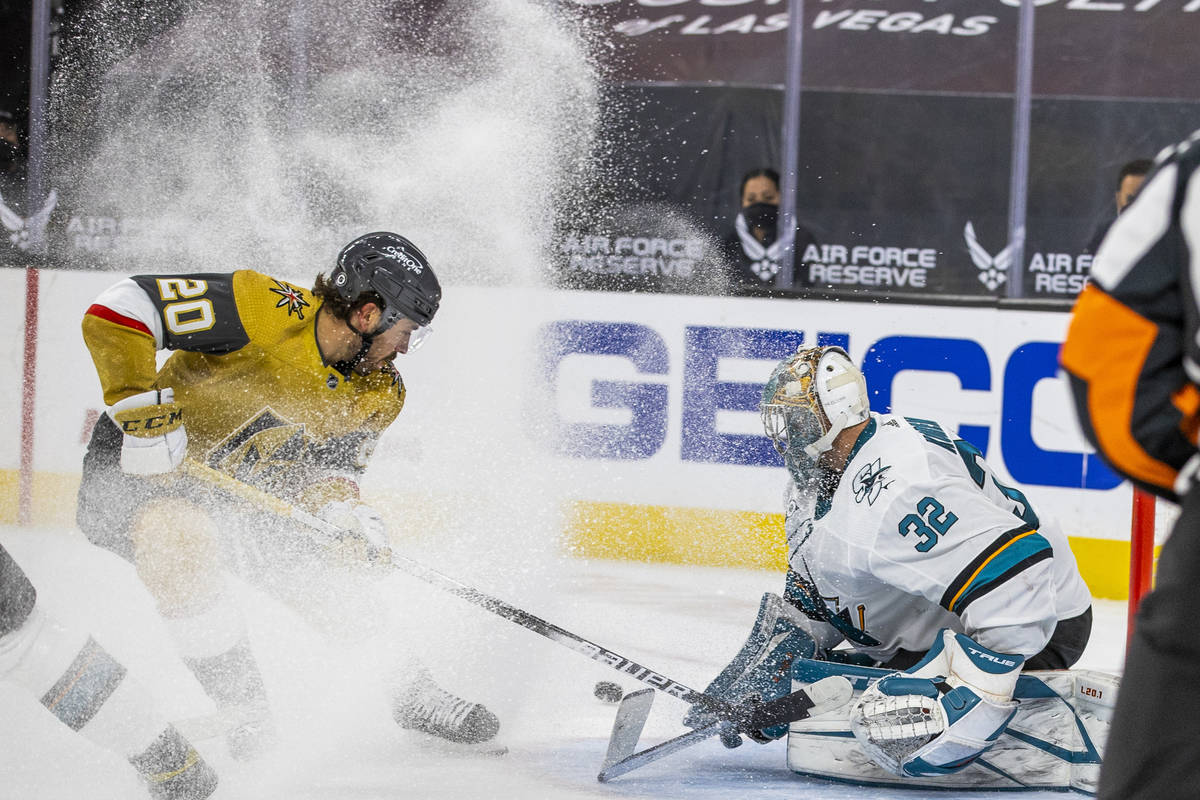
{"x": 811, "y": 397}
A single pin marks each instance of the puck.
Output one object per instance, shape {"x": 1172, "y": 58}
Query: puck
{"x": 608, "y": 691}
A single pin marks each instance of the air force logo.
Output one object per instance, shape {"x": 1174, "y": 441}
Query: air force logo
{"x": 20, "y": 229}
{"x": 993, "y": 270}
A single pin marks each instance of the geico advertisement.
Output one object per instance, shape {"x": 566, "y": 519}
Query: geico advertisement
{"x": 648, "y": 399}
{"x": 659, "y": 395}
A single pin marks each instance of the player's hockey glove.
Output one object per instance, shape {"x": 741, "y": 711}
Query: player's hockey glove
{"x": 941, "y": 715}
{"x": 154, "y": 439}
{"x": 762, "y": 669}
{"x": 365, "y": 536}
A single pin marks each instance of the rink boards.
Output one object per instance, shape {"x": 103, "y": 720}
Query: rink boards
{"x": 636, "y": 413}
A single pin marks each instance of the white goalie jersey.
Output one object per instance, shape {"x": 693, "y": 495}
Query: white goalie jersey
{"x": 920, "y": 535}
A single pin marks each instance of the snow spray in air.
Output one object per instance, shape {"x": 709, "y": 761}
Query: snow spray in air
{"x": 228, "y": 135}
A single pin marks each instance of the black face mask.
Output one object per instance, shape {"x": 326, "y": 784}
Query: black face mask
{"x": 761, "y": 215}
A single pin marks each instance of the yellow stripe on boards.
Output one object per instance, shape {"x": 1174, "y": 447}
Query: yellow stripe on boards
{"x": 53, "y": 498}
{"x": 624, "y": 531}
{"x": 676, "y": 535}
{"x": 711, "y": 537}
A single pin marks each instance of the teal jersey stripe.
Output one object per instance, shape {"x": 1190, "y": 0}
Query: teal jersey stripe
{"x": 1006, "y": 563}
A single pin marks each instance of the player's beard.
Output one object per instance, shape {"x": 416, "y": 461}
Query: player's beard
{"x": 366, "y": 368}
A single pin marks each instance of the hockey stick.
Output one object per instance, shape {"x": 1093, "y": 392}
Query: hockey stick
{"x": 572, "y": 641}
{"x": 824, "y": 695}
{"x": 219, "y": 723}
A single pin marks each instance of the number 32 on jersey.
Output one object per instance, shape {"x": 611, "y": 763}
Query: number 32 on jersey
{"x": 930, "y": 521}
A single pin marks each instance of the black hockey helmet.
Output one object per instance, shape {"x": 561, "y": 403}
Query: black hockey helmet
{"x": 392, "y": 267}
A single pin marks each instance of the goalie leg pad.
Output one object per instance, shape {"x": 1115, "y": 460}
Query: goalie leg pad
{"x": 763, "y": 665}
{"x": 1055, "y": 742}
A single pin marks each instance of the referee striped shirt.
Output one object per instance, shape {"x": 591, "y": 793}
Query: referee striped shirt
{"x": 1132, "y": 351}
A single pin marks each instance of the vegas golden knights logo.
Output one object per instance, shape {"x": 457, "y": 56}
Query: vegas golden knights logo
{"x": 262, "y": 450}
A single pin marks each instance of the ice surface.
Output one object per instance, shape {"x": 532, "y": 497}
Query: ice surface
{"x": 337, "y": 739}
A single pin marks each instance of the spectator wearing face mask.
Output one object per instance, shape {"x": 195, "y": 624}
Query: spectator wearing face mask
{"x": 1129, "y": 181}
{"x": 20, "y": 227}
{"x": 754, "y": 249}
{"x": 12, "y": 154}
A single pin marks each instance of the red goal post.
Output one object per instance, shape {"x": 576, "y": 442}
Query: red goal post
{"x": 1141, "y": 552}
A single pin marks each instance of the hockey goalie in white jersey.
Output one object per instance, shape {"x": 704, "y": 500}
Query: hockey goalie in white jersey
{"x": 918, "y": 573}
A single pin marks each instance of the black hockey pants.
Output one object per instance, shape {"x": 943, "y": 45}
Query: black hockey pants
{"x": 1153, "y": 750}
{"x": 17, "y": 595}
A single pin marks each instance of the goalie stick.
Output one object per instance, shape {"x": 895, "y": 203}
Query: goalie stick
{"x": 622, "y": 756}
{"x": 414, "y": 568}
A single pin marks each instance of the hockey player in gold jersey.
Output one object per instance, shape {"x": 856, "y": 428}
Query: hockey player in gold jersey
{"x": 282, "y": 388}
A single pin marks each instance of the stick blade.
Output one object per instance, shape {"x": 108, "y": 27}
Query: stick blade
{"x": 627, "y": 726}
{"x": 651, "y": 754}
{"x": 825, "y": 695}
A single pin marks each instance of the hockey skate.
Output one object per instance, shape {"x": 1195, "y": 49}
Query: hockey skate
{"x": 424, "y": 706}
{"x": 173, "y": 770}
{"x": 232, "y": 679}
{"x": 197, "y": 782}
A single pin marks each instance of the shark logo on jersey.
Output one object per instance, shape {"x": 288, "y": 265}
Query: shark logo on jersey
{"x": 870, "y": 481}
{"x": 291, "y": 297}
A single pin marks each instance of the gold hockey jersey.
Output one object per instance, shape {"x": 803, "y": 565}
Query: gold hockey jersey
{"x": 259, "y": 400}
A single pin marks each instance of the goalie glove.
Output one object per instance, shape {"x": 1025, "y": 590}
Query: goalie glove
{"x": 365, "y": 536}
{"x": 152, "y": 425}
{"x": 941, "y": 715}
{"x": 761, "y": 671}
